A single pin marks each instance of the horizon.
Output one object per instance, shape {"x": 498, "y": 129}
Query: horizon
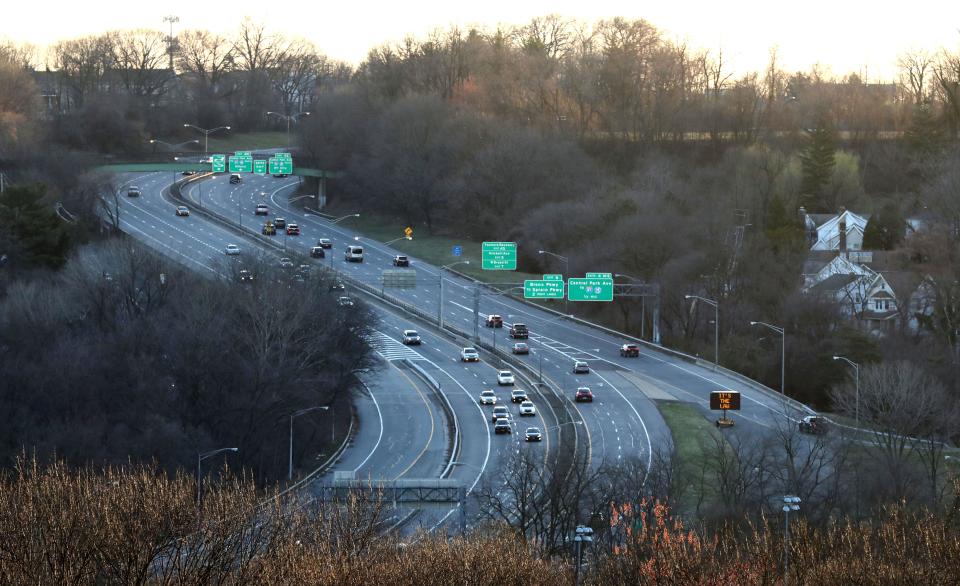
{"x": 869, "y": 50}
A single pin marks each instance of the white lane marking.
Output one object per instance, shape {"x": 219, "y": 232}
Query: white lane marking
{"x": 379, "y": 437}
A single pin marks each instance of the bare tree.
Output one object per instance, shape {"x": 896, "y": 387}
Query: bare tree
{"x": 915, "y": 69}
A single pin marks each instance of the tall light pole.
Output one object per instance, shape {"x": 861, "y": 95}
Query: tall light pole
{"x": 170, "y": 42}
{"x": 440, "y": 306}
{"x": 856, "y": 370}
{"x": 206, "y": 133}
{"x": 790, "y": 503}
{"x": 288, "y": 118}
{"x": 583, "y": 535}
{"x": 203, "y": 456}
{"x": 655, "y": 319}
{"x": 566, "y": 273}
{"x": 783, "y": 354}
{"x": 716, "y": 323}
{"x": 342, "y": 218}
{"x": 293, "y": 416}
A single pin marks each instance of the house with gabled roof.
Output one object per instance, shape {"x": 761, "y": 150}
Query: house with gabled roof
{"x": 841, "y": 231}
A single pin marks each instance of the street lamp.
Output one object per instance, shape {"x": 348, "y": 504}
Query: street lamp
{"x": 583, "y": 535}
{"x": 206, "y": 133}
{"x": 338, "y": 220}
{"x": 566, "y": 273}
{"x": 790, "y": 503}
{"x": 716, "y": 324}
{"x": 292, "y": 417}
{"x": 856, "y": 369}
{"x": 783, "y": 355}
{"x": 288, "y": 118}
{"x": 552, "y": 427}
{"x": 440, "y": 306}
{"x": 302, "y": 197}
{"x": 203, "y": 456}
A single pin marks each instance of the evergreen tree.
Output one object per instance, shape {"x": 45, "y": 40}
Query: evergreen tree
{"x": 925, "y": 135}
{"x": 817, "y": 161}
{"x": 33, "y": 226}
{"x": 884, "y": 230}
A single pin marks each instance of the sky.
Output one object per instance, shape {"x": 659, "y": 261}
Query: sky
{"x": 840, "y": 35}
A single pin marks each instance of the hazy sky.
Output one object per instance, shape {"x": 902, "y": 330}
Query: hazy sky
{"x": 845, "y": 35}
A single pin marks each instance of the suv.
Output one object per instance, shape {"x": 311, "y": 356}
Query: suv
{"x": 133, "y": 191}
{"x": 519, "y": 331}
{"x": 262, "y": 210}
{"x": 583, "y": 395}
{"x": 488, "y": 397}
{"x": 518, "y": 396}
{"x": 581, "y": 367}
{"x": 411, "y": 337}
{"x": 527, "y": 408}
{"x": 324, "y": 243}
{"x": 630, "y": 350}
{"x": 813, "y": 424}
{"x": 235, "y": 178}
{"x": 500, "y": 412}
{"x": 317, "y": 252}
{"x": 494, "y": 321}
{"x": 293, "y": 230}
{"x": 505, "y": 377}
{"x": 469, "y": 355}
{"x": 269, "y": 229}
{"x": 502, "y": 426}
{"x": 401, "y": 261}
{"x": 280, "y": 223}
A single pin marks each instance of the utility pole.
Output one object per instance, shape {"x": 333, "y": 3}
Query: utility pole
{"x": 171, "y": 45}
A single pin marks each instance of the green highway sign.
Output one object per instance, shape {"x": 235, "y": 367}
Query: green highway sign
{"x": 608, "y": 276}
{"x": 260, "y": 166}
{"x": 243, "y": 154}
{"x": 543, "y": 289}
{"x": 499, "y": 256}
{"x": 241, "y": 164}
{"x": 553, "y": 277}
{"x": 283, "y": 156}
{"x": 588, "y": 289}
{"x": 281, "y": 166}
{"x": 219, "y": 163}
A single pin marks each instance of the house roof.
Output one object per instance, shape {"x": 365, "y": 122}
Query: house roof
{"x": 902, "y": 283}
{"x": 834, "y": 283}
{"x": 820, "y": 219}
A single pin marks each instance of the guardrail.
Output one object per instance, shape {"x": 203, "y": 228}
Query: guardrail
{"x": 448, "y": 409}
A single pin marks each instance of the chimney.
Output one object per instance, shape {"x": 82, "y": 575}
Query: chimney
{"x": 843, "y": 237}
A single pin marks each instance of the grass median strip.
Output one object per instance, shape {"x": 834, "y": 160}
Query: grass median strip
{"x": 695, "y": 441}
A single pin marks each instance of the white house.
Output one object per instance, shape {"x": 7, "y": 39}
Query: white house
{"x": 863, "y": 293}
{"x": 842, "y": 231}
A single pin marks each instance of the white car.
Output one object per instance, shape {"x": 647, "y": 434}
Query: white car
{"x": 232, "y": 250}
{"x": 504, "y": 377}
{"x": 183, "y": 211}
{"x": 527, "y": 408}
{"x": 469, "y": 355}
{"x": 345, "y": 302}
{"x": 411, "y": 337}
{"x": 488, "y": 397}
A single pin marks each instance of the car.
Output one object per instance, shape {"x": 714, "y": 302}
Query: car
{"x": 303, "y": 270}
{"x": 293, "y": 230}
{"x": 232, "y": 250}
{"x": 533, "y": 434}
{"x": 488, "y": 397}
{"x": 505, "y": 377}
{"x": 245, "y": 276}
{"x": 286, "y": 263}
{"x": 133, "y": 191}
{"x": 527, "y": 408}
{"x": 183, "y": 211}
{"x": 630, "y": 350}
{"x": 298, "y": 278}
{"x": 345, "y": 302}
{"x": 813, "y": 424}
{"x": 324, "y": 243}
{"x": 235, "y": 178}
{"x": 502, "y": 426}
{"x": 520, "y": 348}
{"x": 280, "y": 223}
{"x": 469, "y": 355}
{"x": 279, "y": 175}
{"x": 261, "y": 210}
{"x": 188, "y": 173}
{"x": 411, "y": 337}
{"x": 584, "y": 395}
{"x": 337, "y": 286}
{"x": 500, "y": 412}
{"x": 401, "y": 261}
{"x": 519, "y": 331}
{"x": 581, "y": 367}
{"x": 269, "y": 229}
{"x": 518, "y": 396}
{"x": 494, "y": 321}
{"x": 317, "y": 252}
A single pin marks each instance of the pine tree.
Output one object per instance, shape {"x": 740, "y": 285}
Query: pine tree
{"x": 925, "y": 135}
{"x": 884, "y": 230}
{"x": 35, "y": 227}
{"x": 817, "y": 161}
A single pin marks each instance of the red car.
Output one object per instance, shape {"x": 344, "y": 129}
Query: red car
{"x": 584, "y": 395}
{"x": 293, "y": 230}
{"x": 630, "y": 350}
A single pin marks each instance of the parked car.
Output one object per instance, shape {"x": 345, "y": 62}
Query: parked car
{"x": 584, "y": 395}
{"x": 813, "y": 424}
{"x": 505, "y": 377}
{"x": 411, "y": 337}
{"x": 324, "y": 243}
{"x": 488, "y": 397}
{"x": 502, "y": 426}
{"x": 183, "y": 211}
{"x": 527, "y": 408}
{"x": 261, "y": 210}
{"x": 533, "y": 434}
{"x": 401, "y": 261}
{"x": 499, "y": 411}
{"x": 520, "y": 348}
{"x": 317, "y": 252}
{"x": 469, "y": 355}
{"x": 630, "y": 350}
{"x": 581, "y": 367}
{"x": 232, "y": 250}
{"x": 293, "y": 230}
{"x": 494, "y": 321}
{"x": 518, "y": 396}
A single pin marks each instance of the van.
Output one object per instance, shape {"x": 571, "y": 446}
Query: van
{"x": 236, "y": 178}
{"x": 353, "y": 254}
